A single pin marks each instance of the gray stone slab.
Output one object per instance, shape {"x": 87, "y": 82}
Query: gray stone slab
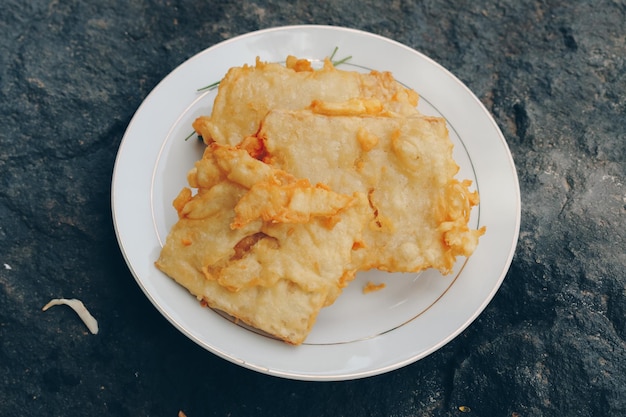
{"x": 551, "y": 343}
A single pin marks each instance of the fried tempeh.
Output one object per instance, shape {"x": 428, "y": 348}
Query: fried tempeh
{"x": 272, "y": 271}
{"x": 246, "y": 94}
{"x": 403, "y": 164}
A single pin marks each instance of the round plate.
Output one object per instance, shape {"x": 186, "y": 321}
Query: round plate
{"x": 361, "y": 334}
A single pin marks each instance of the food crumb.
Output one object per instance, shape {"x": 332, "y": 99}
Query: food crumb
{"x": 371, "y": 287}
{"x": 7, "y": 266}
{"x": 79, "y": 308}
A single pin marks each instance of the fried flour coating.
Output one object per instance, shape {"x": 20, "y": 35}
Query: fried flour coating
{"x": 248, "y": 93}
{"x": 272, "y": 265}
{"x": 309, "y": 176}
{"x": 404, "y": 165}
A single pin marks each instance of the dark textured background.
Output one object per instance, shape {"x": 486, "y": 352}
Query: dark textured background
{"x": 551, "y": 343}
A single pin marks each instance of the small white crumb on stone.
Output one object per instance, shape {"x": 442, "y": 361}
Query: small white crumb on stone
{"x": 7, "y": 266}
{"x": 79, "y": 308}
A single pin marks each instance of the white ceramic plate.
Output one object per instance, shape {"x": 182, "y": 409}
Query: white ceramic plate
{"x": 361, "y": 334}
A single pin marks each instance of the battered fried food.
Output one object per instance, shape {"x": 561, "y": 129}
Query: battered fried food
{"x": 404, "y": 165}
{"x": 274, "y": 265}
{"x": 308, "y": 177}
{"x": 246, "y": 94}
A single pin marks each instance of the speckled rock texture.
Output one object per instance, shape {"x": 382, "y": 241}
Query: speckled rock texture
{"x": 551, "y": 343}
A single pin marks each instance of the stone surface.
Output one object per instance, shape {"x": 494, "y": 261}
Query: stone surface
{"x": 552, "y": 341}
